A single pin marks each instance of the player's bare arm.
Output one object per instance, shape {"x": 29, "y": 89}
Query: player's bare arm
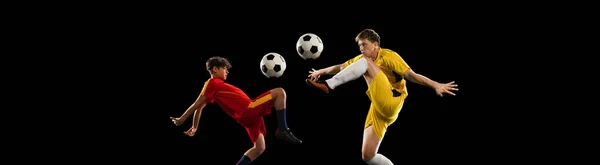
{"x": 438, "y": 87}
{"x": 196, "y": 121}
{"x": 198, "y": 105}
{"x": 197, "y": 115}
{"x": 418, "y": 78}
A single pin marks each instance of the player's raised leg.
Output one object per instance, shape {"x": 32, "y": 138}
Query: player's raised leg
{"x": 370, "y": 146}
{"x": 349, "y": 73}
{"x": 279, "y": 103}
{"x": 371, "y": 71}
{"x": 251, "y": 155}
{"x": 262, "y": 105}
{"x": 386, "y": 100}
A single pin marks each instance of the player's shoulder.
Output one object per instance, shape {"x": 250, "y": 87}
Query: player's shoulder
{"x": 357, "y": 57}
{"x": 213, "y": 81}
{"x": 388, "y": 52}
{"x": 353, "y": 59}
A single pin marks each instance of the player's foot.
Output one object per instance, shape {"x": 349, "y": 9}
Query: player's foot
{"x": 287, "y": 136}
{"x": 319, "y": 84}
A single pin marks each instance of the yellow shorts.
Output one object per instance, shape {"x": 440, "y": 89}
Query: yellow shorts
{"x": 385, "y": 107}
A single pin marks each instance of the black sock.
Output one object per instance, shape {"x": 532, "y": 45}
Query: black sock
{"x": 245, "y": 160}
{"x": 281, "y": 120}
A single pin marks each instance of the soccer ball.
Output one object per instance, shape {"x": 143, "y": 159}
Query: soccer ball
{"x": 272, "y": 65}
{"x": 309, "y": 46}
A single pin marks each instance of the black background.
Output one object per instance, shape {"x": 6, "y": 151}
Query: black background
{"x": 131, "y": 67}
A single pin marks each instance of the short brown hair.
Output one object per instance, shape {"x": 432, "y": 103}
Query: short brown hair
{"x": 370, "y": 35}
{"x": 217, "y": 61}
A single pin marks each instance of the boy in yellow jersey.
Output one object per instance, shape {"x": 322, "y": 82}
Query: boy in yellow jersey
{"x": 385, "y": 71}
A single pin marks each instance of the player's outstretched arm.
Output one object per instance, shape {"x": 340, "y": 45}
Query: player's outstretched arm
{"x": 439, "y": 88}
{"x": 196, "y": 108}
{"x": 197, "y": 115}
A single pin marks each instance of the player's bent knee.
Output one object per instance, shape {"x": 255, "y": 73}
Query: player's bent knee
{"x": 278, "y": 92}
{"x": 370, "y": 143}
{"x": 259, "y": 150}
{"x": 372, "y": 68}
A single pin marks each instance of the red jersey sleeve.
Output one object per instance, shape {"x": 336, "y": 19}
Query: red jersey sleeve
{"x": 210, "y": 88}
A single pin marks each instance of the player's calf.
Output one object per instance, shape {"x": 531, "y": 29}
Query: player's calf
{"x": 254, "y": 152}
{"x": 349, "y": 73}
{"x": 283, "y": 132}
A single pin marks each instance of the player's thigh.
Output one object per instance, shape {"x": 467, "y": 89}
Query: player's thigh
{"x": 264, "y": 98}
{"x": 377, "y": 122}
{"x": 255, "y": 127}
{"x": 257, "y": 112}
{"x": 260, "y": 106}
{"x": 386, "y": 99}
{"x": 379, "y": 88}
{"x": 382, "y": 97}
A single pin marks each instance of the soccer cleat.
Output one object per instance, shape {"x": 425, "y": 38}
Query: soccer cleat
{"x": 319, "y": 84}
{"x": 287, "y": 136}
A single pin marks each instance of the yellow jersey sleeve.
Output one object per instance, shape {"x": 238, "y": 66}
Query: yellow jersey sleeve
{"x": 396, "y": 63}
{"x": 352, "y": 60}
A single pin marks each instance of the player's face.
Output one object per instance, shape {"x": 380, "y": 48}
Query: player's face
{"x": 224, "y": 72}
{"x": 367, "y": 48}
{"x": 221, "y": 72}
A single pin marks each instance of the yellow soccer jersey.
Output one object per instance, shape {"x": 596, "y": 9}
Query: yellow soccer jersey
{"x": 392, "y": 65}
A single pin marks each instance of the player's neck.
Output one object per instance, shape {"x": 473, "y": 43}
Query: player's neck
{"x": 217, "y": 77}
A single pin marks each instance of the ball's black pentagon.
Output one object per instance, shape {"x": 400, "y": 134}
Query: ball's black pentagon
{"x": 264, "y": 68}
{"x": 314, "y": 49}
{"x": 306, "y": 38}
{"x": 300, "y": 50}
{"x": 277, "y": 68}
{"x": 270, "y": 57}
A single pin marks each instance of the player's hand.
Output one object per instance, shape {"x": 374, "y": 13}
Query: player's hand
{"x": 314, "y": 74}
{"x": 440, "y": 89}
{"x": 177, "y": 121}
{"x": 190, "y": 132}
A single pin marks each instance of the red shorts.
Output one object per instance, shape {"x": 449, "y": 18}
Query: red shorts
{"x": 252, "y": 118}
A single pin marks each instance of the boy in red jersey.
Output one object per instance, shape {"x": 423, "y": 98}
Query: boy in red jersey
{"x": 248, "y": 113}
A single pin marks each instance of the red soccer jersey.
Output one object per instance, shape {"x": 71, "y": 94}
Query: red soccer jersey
{"x": 230, "y": 98}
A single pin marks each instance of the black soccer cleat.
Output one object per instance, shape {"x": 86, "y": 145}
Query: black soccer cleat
{"x": 287, "y": 136}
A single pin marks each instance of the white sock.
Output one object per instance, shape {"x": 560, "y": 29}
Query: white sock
{"x": 352, "y": 72}
{"x": 379, "y": 160}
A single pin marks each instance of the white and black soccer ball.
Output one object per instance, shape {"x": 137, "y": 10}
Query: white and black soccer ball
{"x": 309, "y": 46}
{"x": 272, "y": 65}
